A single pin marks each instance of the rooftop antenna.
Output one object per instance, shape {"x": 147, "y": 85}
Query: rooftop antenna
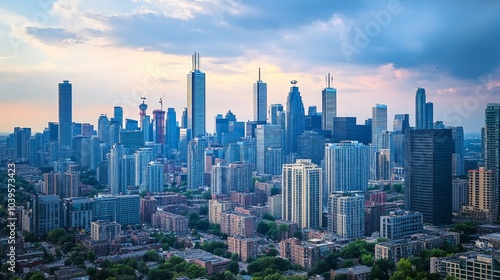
{"x": 143, "y": 99}
{"x": 259, "y": 74}
{"x": 198, "y": 62}
{"x": 161, "y": 102}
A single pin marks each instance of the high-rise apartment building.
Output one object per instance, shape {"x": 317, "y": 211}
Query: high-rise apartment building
{"x": 346, "y": 166}
{"x": 196, "y": 163}
{"x": 379, "y": 123}
{"x": 302, "y": 193}
{"x": 492, "y": 144}
{"x": 482, "y": 193}
{"x": 347, "y": 214}
{"x": 143, "y": 156}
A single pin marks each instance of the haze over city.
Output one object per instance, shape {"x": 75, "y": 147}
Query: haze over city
{"x": 378, "y": 52}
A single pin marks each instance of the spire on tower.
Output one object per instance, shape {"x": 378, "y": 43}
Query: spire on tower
{"x": 259, "y": 74}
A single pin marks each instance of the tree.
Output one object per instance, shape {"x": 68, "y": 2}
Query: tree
{"x": 234, "y": 267}
{"x": 298, "y": 234}
{"x": 367, "y": 259}
{"x": 268, "y": 216}
{"x": 54, "y": 236}
{"x": 150, "y": 256}
{"x": 262, "y": 228}
{"x": 38, "y": 276}
{"x": 341, "y": 277}
{"x": 382, "y": 269}
{"x": 203, "y": 210}
{"x": 90, "y": 256}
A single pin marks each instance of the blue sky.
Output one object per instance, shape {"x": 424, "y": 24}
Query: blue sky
{"x": 114, "y": 52}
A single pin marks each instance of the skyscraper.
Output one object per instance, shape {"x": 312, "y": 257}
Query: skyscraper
{"x": 328, "y": 106}
{"x": 196, "y": 163}
{"x": 118, "y": 115}
{"x": 159, "y": 126}
{"x": 115, "y": 157}
{"x": 267, "y": 136}
{"x": 401, "y": 123}
{"x": 260, "y": 100}
{"x": 492, "y": 144}
{"x": 142, "y": 112}
{"x": 276, "y": 114}
{"x": 458, "y": 150}
{"x": 172, "y": 129}
{"x": 196, "y": 98}
{"x": 294, "y": 121}
{"x": 347, "y": 215}
{"x": 346, "y": 166}
{"x": 103, "y": 131}
{"x": 65, "y": 114}
{"x": 143, "y": 156}
{"x": 302, "y": 193}
{"x": 428, "y": 174}
{"x": 379, "y": 123}
{"x": 429, "y": 115}
{"x": 154, "y": 177}
{"x": 420, "y": 115}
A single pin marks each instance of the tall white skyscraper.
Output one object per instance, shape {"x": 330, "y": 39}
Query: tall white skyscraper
{"x": 115, "y": 157}
{"x": 346, "y": 166}
{"x": 154, "y": 177}
{"x": 143, "y": 156}
{"x": 302, "y": 193}
{"x": 267, "y": 136}
{"x": 196, "y": 111}
{"x": 328, "y": 105}
{"x": 347, "y": 214}
{"x": 379, "y": 123}
{"x": 196, "y": 163}
{"x": 127, "y": 171}
{"x": 260, "y": 100}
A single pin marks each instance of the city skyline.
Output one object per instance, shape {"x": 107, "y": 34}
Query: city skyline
{"x": 45, "y": 44}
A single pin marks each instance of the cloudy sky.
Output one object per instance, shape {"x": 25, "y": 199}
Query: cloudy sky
{"x": 114, "y": 52}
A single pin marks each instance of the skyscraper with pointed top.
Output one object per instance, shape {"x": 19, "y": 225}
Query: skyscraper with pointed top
{"x": 295, "y": 118}
{"x": 196, "y": 108}
{"x": 328, "y": 105}
{"x": 260, "y": 100}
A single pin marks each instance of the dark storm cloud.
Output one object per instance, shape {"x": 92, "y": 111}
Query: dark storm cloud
{"x": 458, "y": 37}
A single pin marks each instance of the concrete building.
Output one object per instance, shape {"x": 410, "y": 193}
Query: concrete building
{"x": 237, "y": 224}
{"x": 246, "y": 248}
{"x": 482, "y": 192}
{"x": 148, "y": 207}
{"x": 400, "y": 223}
{"x": 77, "y": 213}
{"x": 104, "y": 231}
{"x": 212, "y": 263}
{"x": 302, "y": 193}
{"x": 176, "y": 224}
{"x": 216, "y": 208}
{"x": 305, "y": 254}
{"x": 346, "y": 214}
{"x": 471, "y": 265}
{"x": 275, "y": 204}
{"x": 411, "y": 247}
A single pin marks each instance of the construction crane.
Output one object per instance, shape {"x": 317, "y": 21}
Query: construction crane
{"x": 161, "y": 102}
